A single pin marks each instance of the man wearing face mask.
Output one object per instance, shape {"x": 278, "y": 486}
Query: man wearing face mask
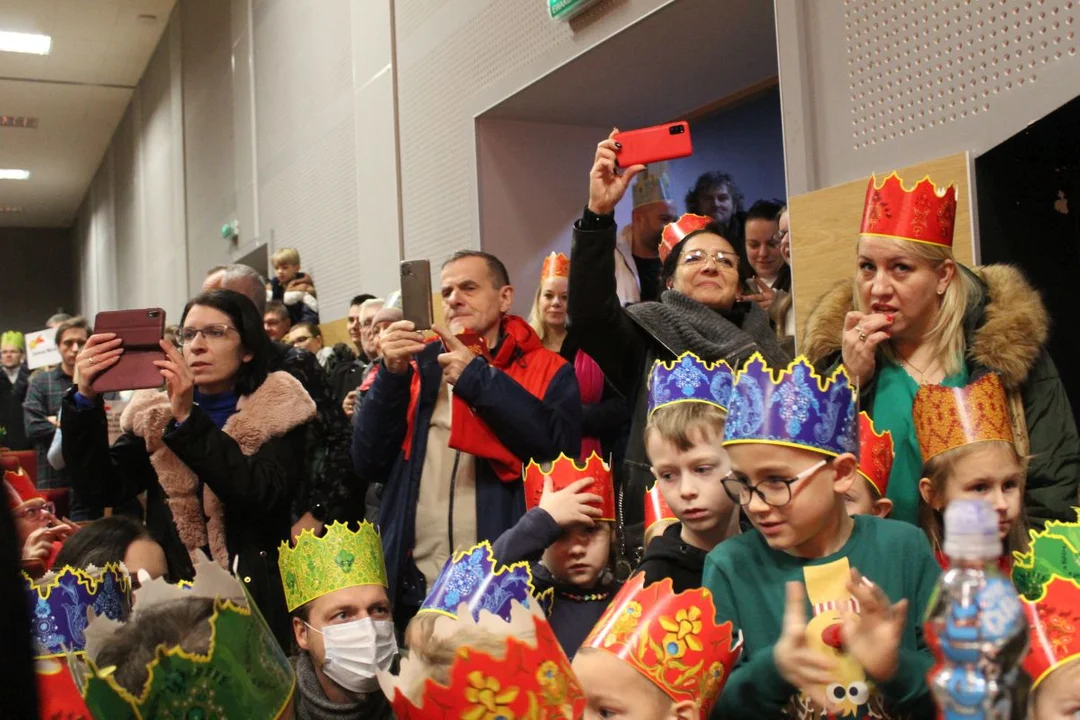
{"x": 335, "y": 588}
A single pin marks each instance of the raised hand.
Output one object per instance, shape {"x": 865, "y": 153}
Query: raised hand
{"x": 99, "y": 354}
{"x": 873, "y": 635}
{"x": 798, "y": 663}
{"x": 571, "y": 505}
{"x": 399, "y": 343}
{"x": 179, "y": 381}
{"x": 764, "y": 296}
{"x": 863, "y": 332}
{"x": 606, "y": 184}
{"x": 456, "y": 357}
{"x": 38, "y": 545}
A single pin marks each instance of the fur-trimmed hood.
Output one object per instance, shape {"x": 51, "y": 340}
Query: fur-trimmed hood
{"x": 1013, "y": 330}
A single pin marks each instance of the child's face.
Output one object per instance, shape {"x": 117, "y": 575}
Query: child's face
{"x": 580, "y": 554}
{"x": 799, "y": 526}
{"x": 285, "y": 272}
{"x": 862, "y": 499}
{"x": 616, "y": 690}
{"x": 1058, "y": 696}
{"x": 991, "y": 472}
{"x": 691, "y": 482}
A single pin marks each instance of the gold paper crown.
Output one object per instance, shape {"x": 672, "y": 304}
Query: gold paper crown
{"x": 339, "y": 559}
{"x": 946, "y": 418}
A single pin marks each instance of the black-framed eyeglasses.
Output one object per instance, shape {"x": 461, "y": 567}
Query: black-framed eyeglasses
{"x": 724, "y": 260}
{"x": 34, "y": 512}
{"x": 210, "y": 333}
{"x": 775, "y": 493}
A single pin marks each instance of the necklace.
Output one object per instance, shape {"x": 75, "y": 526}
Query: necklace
{"x": 922, "y": 371}
{"x": 588, "y": 597}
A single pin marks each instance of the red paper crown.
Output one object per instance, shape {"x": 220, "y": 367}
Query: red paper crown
{"x": 923, "y": 214}
{"x": 1055, "y": 629}
{"x": 656, "y": 508}
{"x": 19, "y": 489}
{"x": 564, "y": 472}
{"x": 531, "y": 681}
{"x": 672, "y": 639}
{"x": 875, "y": 454}
{"x": 555, "y": 265}
{"x": 946, "y": 418}
{"x": 675, "y": 232}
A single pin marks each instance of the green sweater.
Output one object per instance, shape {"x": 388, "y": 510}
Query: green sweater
{"x": 747, "y": 577}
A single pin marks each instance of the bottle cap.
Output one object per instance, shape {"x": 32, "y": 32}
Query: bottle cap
{"x": 971, "y": 531}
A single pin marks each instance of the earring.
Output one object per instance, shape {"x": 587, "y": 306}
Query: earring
{"x": 941, "y": 291}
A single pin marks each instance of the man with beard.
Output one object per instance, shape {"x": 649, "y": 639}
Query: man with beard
{"x": 637, "y": 259}
{"x": 716, "y": 195}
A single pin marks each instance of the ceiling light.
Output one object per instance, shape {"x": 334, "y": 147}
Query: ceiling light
{"x": 25, "y": 43}
{"x": 11, "y": 209}
{"x": 18, "y": 121}
{"x": 14, "y": 174}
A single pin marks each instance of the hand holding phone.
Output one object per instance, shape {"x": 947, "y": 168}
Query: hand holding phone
{"x": 416, "y": 293}
{"x": 122, "y": 352}
{"x": 669, "y": 141}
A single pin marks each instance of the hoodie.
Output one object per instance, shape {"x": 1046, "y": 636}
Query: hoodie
{"x": 668, "y": 556}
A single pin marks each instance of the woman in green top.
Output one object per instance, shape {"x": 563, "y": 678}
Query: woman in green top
{"x": 914, "y": 316}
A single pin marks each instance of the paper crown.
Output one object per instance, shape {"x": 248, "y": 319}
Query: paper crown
{"x": 18, "y": 488}
{"x": 13, "y": 338}
{"x": 555, "y": 265}
{"x": 875, "y": 454}
{"x": 923, "y": 214}
{"x": 474, "y": 578}
{"x": 690, "y": 379}
{"x": 60, "y": 603}
{"x": 675, "y": 232}
{"x": 656, "y": 508}
{"x": 946, "y": 418}
{"x": 1048, "y": 578}
{"x": 653, "y": 186}
{"x": 564, "y": 472}
{"x": 532, "y": 679}
{"x": 670, "y": 638}
{"x": 797, "y": 408}
{"x": 245, "y": 673}
{"x": 339, "y": 559}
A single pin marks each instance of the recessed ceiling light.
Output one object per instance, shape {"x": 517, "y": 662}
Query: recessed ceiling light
{"x": 18, "y": 121}
{"x": 25, "y": 43}
{"x": 14, "y": 174}
{"x": 11, "y": 209}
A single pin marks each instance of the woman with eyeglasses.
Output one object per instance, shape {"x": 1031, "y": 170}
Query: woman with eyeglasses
{"x": 699, "y": 311}
{"x": 219, "y": 453}
{"x": 40, "y": 533}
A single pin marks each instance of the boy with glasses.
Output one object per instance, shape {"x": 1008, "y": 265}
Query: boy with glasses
{"x": 793, "y": 442}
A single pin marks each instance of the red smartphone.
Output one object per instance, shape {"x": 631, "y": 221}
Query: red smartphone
{"x": 655, "y": 144}
{"x": 140, "y": 331}
{"x": 475, "y": 342}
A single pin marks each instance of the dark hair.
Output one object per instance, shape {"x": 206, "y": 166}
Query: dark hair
{"x": 710, "y": 180}
{"x": 671, "y": 262}
{"x": 499, "y": 275}
{"x": 101, "y": 542}
{"x": 76, "y": 323}
{"x": 361, "y": 299}
{"x": 276, "y": 307}
{"x": 765, "y": 210}
{"x": 253, "y": 339}
{"x": 311, "y": 328}
{"x": 768, "y": 210}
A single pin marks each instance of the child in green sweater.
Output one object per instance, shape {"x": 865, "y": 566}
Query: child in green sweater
{"x": 856, "y": 648}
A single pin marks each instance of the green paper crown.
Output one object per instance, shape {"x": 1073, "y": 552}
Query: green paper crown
{"x": 339, "y": 559}
{"x": 1054, "y": 553}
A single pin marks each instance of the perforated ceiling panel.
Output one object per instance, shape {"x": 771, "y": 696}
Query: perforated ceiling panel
{"x": 916, "y": 64}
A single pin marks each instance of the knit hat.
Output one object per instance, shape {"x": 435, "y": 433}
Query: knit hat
{"x": 15, "y": 338}
{"x": 653, "y": 186}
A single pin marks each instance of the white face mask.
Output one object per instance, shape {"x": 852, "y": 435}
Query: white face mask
{"x": 356, "y": 650}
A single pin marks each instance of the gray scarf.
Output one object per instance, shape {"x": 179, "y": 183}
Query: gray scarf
{"x": 682, "y": 324}
{"x": 311, "y": 702}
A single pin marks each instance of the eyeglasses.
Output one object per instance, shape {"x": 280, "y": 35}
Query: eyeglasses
{"x": 210, "y": 333}
{"x": 723, "y": 260}
{"x": 34, "y": 512}
{"x": 773, "y": 492}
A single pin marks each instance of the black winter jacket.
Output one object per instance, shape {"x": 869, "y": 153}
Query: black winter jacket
{"x": 668, "y": 556}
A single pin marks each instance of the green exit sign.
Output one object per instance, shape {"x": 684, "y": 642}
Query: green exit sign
{"x": 566, "y": 9}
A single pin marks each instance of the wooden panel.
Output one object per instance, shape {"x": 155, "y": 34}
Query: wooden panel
{"x": 825, "y": 227}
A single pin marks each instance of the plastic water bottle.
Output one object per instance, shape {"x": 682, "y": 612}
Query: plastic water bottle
{"x": 975, "y": 624}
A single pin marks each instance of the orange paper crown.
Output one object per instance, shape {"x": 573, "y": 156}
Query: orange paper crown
{"x": 672, "y": 639}
{"x": 675, "y": 232}
{"x": 565, "y": 472}
{"x": 923, "y": 214}
{"x": 875, "y": 454}
{"x": 656, "y": 508}
{"x": 555, "y": 265}
{"x": 946, "y": 418}
{"x": 18, "y": 488}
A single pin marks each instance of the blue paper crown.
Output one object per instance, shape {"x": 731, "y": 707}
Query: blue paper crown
{"x": 476, "y": 578}
{"x": 690, "y": 379}
{"x": 799, "y": 408}
{"x": 59, "y": 604}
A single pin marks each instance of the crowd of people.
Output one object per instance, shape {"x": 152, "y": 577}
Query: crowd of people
{"x": 638, "y": 502}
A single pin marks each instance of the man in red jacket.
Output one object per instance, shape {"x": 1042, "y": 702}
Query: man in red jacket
{"x": 449, "y": 421}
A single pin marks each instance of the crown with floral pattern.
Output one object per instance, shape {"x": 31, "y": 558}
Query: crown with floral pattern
{"x": 555, "y": 265}
{"x": 245, "y": 673}
{"x": 656, "y": 508}
{"x": 796, "y": 408}
{"x": 875, "y": 454}
{"x": 670, "y": 638}
{"x": 676, "y": 232}
{"x": 946, "y": 418}
{"x": 61, "y": 603}
{"x": 925, "y": 214}
{"x": 1048, "y": 578}
{"x": 475, "y": 579}
{"x": 532, "y": 679}
{"x": 564, "y": 472}
{"x": 690, "y": 379}
{"x": 339, "y": 559}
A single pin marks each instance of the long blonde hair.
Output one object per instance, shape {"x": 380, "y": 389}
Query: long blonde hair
{"x": 535, "y": 320}
{"x": 946, "y": 336}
